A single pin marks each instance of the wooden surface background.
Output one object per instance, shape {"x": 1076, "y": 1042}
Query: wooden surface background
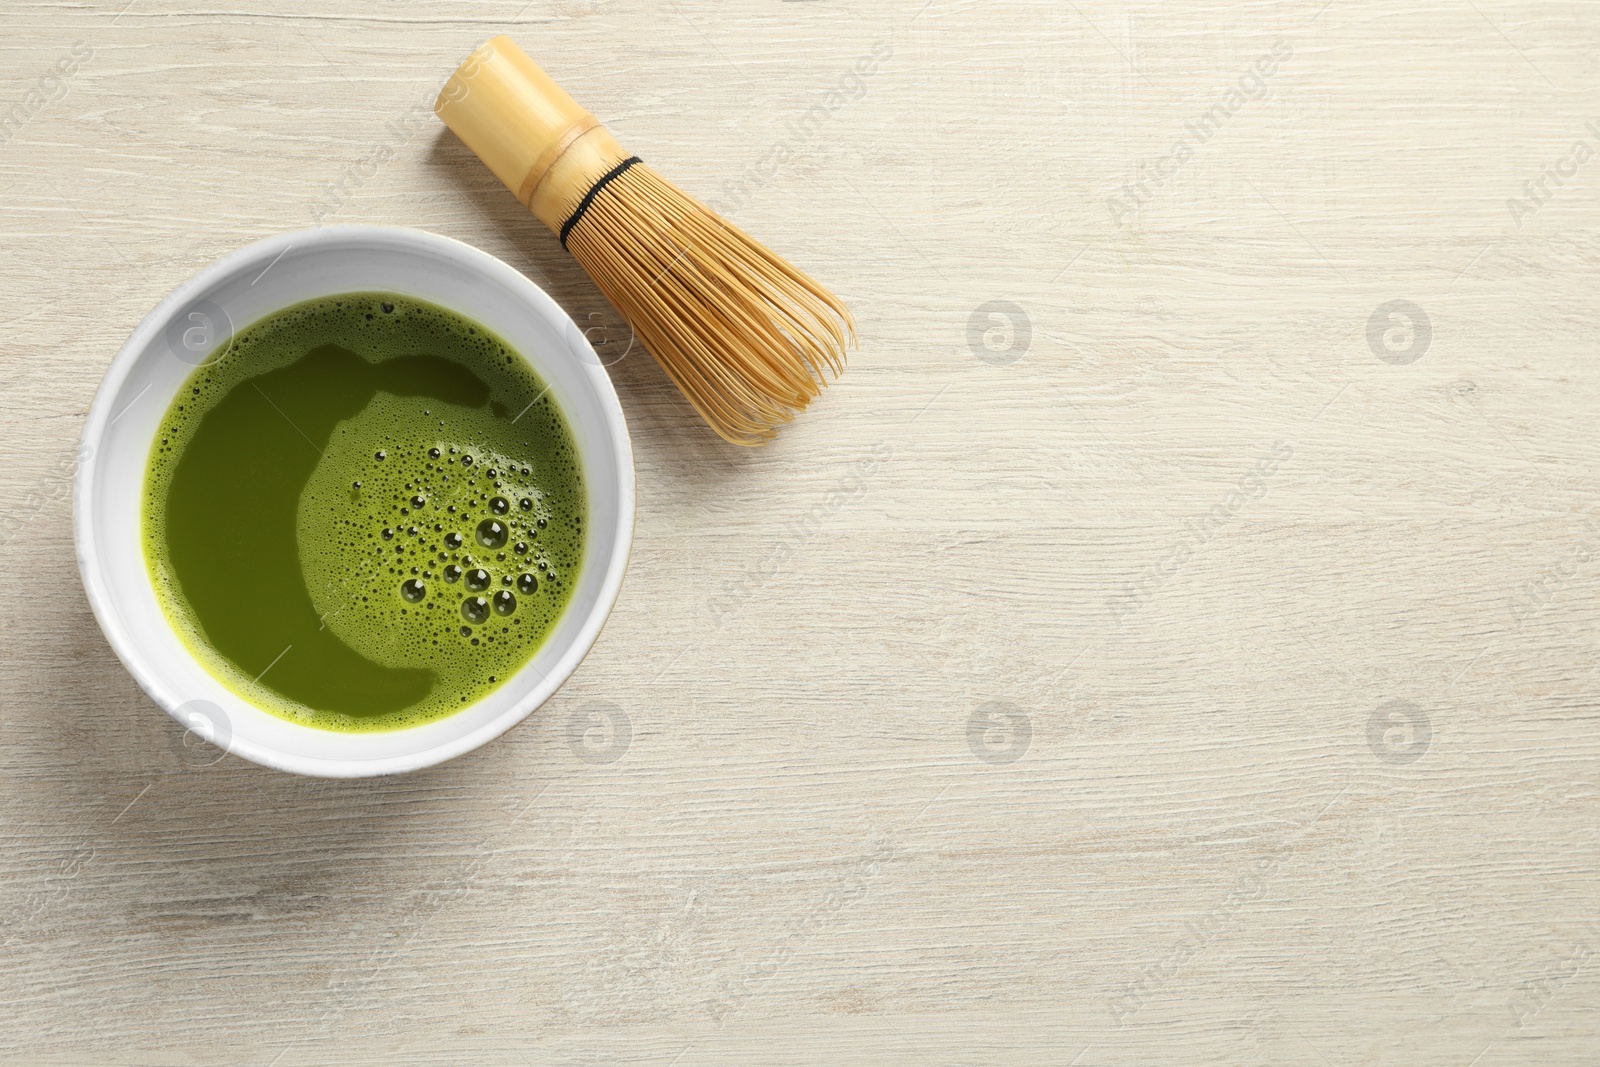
{"x": 1156, "y": 649}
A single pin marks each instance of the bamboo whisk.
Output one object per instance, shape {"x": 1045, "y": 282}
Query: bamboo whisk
{"x": 748, "y": 338}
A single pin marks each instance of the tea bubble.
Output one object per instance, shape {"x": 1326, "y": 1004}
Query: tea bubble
{"x": 528, "y": 584}
{"x": 418, "y": 500}
{"x": 477, "y": 579}
{"x": 413, "y": 590}
{"x": 452, "y": 540}
{"x": 492, "y": 533}
{"x": 475, "y": 609}
{"x": 504, "y": 602}
{"x": 388, "y": 534}
{"x": 499, "y": 505}
{"x": 526, "y": 504}
{"x": 521, "y": 548}
{"x": 433, "y": 453}
{"x": 452, "y": 573}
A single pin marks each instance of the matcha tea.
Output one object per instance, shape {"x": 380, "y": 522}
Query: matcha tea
{"x": 365, "y": 514}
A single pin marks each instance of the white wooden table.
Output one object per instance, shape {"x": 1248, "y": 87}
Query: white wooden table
{"x": 1160, "y": 647}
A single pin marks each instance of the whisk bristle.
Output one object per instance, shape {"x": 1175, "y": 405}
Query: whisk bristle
{"x": 747, "y": 337}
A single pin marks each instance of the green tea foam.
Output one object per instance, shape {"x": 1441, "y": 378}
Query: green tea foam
{"x": 365, "y": 514}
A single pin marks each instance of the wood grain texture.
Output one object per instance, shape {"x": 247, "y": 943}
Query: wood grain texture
{"x": 1189, "y": 685}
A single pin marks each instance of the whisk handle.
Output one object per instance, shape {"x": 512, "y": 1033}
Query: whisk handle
{"x": 536, "y": 139}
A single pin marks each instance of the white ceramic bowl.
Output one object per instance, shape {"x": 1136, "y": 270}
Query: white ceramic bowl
{"x": 235, "y": 292}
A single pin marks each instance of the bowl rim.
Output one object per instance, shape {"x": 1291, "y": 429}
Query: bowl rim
{"x": 91, "y": 567}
